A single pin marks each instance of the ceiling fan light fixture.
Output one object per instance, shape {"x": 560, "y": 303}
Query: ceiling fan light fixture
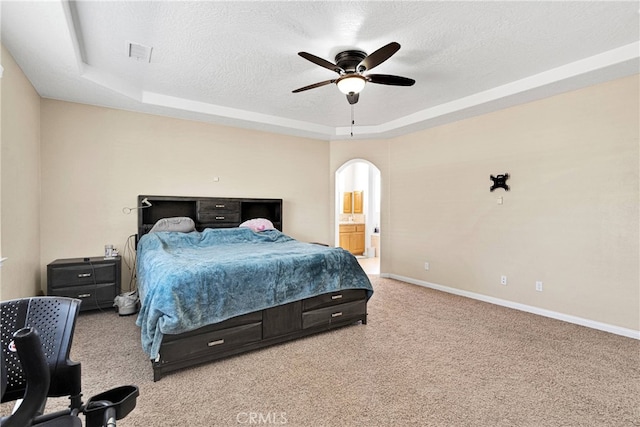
{"x": 351, "y": 84}
{"x": 350, "y": 65}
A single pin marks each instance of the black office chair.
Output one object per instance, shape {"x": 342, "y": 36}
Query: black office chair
{"x": 36, "y": 340}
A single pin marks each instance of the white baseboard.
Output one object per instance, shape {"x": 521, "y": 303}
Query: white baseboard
{"x": 629, "y": 333}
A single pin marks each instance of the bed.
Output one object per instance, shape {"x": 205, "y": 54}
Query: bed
{"x": 231, "y": 284}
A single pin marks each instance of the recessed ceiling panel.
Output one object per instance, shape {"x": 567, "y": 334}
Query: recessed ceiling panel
{"x": 236, "y": 62}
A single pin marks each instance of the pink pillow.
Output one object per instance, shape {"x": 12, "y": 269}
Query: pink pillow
{"x": 258, "y": 224}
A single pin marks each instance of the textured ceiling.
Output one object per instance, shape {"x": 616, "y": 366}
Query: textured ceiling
{"x": 236, "y": 62}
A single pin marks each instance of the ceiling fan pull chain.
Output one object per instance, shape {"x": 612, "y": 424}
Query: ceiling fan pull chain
{"x": 352, "y": 121}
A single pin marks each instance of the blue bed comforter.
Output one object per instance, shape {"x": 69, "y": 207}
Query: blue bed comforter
{"x": 189, "y": 280}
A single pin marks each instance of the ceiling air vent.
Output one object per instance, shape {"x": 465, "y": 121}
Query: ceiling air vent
{"x": 139, "y": 52}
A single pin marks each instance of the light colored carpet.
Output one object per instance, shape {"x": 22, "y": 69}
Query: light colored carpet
{"x": 425, "y": 358}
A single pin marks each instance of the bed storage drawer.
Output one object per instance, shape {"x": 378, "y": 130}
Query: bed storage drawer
{"x": 210, "y": 342}
{"x": 334, "y": 314}
{"x": 334, "y": 298}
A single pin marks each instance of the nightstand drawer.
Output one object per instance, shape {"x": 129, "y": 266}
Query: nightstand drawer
{"x": 84, "y": 274}
{"x": 334, "y": 314}
{"x": 92, "y": 296}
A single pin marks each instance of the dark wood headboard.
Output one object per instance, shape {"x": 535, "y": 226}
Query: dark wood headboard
{"x": 207, "y": 212}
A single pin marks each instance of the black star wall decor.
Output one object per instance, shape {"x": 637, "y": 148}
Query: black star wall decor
{"x": 500, "y": 181}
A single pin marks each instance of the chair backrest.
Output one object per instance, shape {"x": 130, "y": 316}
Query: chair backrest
{"x": 54, "y": 318}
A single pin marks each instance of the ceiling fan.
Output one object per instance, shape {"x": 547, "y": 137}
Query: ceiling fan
{"x": 351, "y": 64}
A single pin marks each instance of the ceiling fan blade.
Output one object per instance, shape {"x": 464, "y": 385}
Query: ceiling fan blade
{"x": 386, "y": 79}
{"x": 378, "y": 57}
{"x": 321, "y": 62}
{"x": 315, "y": 85}
{"x": 353, "y": 97}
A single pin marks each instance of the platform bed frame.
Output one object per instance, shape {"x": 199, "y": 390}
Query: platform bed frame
{"x": 254, "y": 330}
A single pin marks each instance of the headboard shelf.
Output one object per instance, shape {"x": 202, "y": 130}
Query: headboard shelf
{"x": 208, "y": 212}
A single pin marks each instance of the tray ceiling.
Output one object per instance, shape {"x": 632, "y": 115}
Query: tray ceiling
{"x": 236, "y": 62}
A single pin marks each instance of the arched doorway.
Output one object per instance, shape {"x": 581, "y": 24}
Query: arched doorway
{"x": 359, "y": 179}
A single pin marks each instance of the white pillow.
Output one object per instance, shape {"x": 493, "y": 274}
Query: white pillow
{"x": 179, "y": 223}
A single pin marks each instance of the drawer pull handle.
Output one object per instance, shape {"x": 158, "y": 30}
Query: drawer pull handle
{"x": 336, "y": 296}
{"x": 81, "y": 275}
{"x": 214, "y": 343}
{"x": 219, "y": 217}
{"x": 219, "y": 206}
{"x": 84, "y": 295}
{"x": 338, "y": 314}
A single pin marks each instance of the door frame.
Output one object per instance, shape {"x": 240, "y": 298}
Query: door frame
{"x": 374, "y": 175}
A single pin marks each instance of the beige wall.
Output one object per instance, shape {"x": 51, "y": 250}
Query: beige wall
{"x": 570, "y": 220}
{"x": 1, "y": 258}
{"x": 96, "y": 161}
{"x": 20, "y": 183}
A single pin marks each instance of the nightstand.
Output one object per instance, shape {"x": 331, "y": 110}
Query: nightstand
{"x": 95, "y": 281}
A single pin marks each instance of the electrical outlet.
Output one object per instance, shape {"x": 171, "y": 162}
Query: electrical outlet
{"x": 503, "y": 280}
{"x": 426, "y": 265}
{"x": 539, "y": 286}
